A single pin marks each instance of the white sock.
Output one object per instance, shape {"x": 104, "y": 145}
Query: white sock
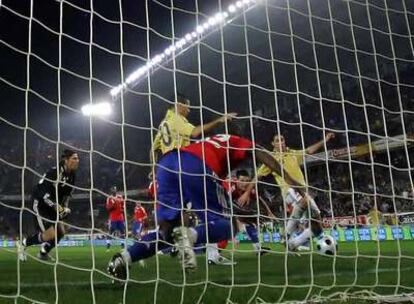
{"x": 192, "y": 235}
{"x": 293, "y": 221}
{"x": 301, "y": 238}
{"x": 42, "y": 248}
{"x": 127, "y": 257}
{"x": 256, "y": 246}
{"x": 212, "y": 251}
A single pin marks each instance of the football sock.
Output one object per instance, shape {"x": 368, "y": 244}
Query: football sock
{"x": 147, "y": 246}
{"x": 35, "y": 239}
{"x": 217, "y": 230}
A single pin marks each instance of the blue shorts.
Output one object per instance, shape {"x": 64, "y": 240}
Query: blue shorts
{"x": 202, "y": 190}
{"x": 117, "y": 226}
{"x": 136, "y": 227}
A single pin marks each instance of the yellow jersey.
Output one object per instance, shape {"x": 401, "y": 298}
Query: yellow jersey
{"x": 174, "y": 132}
{"x": 375, "y": 217}
{"x": 291, "y": 160}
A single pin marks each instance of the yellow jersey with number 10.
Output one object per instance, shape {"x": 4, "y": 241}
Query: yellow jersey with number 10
{"x": 174, "y": 132}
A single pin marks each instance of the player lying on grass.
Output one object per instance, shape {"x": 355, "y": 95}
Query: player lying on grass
{"x": 292, "y": 160}
{"x": 193, "y": 173}
{"x": 50, "y": 199}
{"x": 247, "y": 221}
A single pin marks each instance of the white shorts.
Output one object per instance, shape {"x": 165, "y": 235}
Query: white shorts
{"x": 293, "y": 198}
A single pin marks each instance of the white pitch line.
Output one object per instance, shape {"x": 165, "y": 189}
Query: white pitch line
{"x": 330, "y": 274}
{"x": 85, "y": 283}
{"x": 65, "y": 283}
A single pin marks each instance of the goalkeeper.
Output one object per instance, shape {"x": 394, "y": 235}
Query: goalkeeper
{"x": 50, "y": 199}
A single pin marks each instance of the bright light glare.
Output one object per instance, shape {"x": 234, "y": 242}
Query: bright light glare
{"x": 97, "y": 109}
{"x": 200, "y": 29}
{"x": 212, "y": 22}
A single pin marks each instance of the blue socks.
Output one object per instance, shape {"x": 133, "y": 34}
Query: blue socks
{"x": 218, "y": 230}
{"x": 252, "y": 233}
{"x": 147, "y": 246}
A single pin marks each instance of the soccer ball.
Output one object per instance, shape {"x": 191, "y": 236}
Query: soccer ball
{"x": 327, "y": 245}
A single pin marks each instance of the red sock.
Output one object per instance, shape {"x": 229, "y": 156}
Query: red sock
{"x": 222, "y": 244}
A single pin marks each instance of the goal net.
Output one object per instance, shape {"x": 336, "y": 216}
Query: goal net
{"x": 99, "y": 76}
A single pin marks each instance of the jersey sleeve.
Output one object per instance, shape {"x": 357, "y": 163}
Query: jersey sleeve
{"x": 240, "y": 147}
{"x": 263, "y": 171}
{"x": 299, "y": 154}
{"x": 109, "y": 204}
{"x": 156, "y": 145}
{"x": 181, "y": 126}
{"x": 46, "y": 188}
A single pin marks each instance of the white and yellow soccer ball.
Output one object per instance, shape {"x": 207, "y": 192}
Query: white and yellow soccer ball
{"x": 327, "y": 245}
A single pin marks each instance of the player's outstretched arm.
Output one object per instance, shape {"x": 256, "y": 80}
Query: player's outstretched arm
{"x": 317, "y": 146}
{"x": 198, "y": 130}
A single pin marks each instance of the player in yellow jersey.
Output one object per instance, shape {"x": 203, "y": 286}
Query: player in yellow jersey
{"x": 291, "y": 161}
{"x": 176, "y": 131}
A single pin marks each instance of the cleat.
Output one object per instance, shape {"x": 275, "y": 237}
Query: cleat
{"x": 184, "y": 244}
{"x": 303, "y": 248}
{"x": 264, "y": 250}
{"x": 21, "y": 251}
{"x": 117, "y": 267}
{"x": 174, "y": 252}
{"x": 221, "y": 260}
{"x": 45, "y": 257}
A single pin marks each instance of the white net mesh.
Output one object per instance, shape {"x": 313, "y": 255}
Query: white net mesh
{"x": 298, "y": 68}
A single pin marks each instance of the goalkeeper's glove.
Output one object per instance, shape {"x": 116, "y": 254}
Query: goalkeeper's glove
{"x": 63, "y": 212}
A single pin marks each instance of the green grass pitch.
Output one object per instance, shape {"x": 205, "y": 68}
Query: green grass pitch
{"x": 385, "y": 268}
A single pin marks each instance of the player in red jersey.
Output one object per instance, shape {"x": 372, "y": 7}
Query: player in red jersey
{"x": 193, "y": 174}
{"x": 235, "y": 188}
{"x": 115, "y": 205}
{"x": 140, "y": 215}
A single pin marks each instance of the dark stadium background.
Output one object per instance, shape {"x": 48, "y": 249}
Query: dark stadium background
{"x": 304, "y": 113}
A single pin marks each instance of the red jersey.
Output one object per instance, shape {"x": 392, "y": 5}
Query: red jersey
{"x": 216, "y": 149}
{"x": 234, "y": 192}
{"x": 140, "y": 214}
{"x": 115, "y": 206}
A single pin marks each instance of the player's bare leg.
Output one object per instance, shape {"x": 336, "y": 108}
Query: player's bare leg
{"x": 46, "y": 239}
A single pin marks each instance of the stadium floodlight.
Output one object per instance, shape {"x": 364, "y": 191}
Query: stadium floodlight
{"x": 211, "y": 23}
{"x": 116, "y": 90}
{"x": 188, "y": 37}
{"x": 200, "y": 29}
{"x": 157, "y": 59}
{"x": 97, "y": 109}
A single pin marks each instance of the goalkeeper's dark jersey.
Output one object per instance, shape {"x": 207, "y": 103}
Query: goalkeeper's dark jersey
{"x": 45, "y": 190}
